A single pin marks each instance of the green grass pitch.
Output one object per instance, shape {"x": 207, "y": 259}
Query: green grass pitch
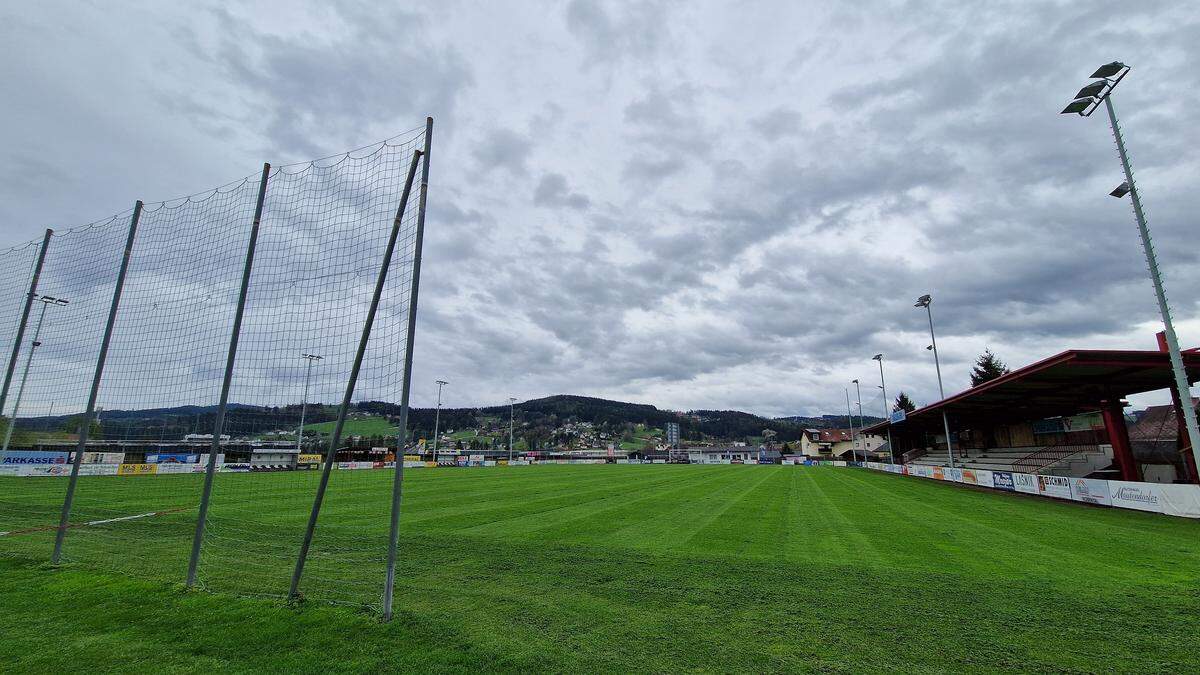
{"x": 601, "y": 568}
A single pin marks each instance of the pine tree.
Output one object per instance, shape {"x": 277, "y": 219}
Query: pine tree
{"x": 987, "y": 367}
{"x": 903, "y": 402}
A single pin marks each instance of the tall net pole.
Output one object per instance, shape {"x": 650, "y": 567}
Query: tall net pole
{"x": 223, "y": 405}
{"x": 16, "y": 350}
{"x": 398, "y": 480}
{"x": 335, "y": 440}
{"x": 86, "y": 423}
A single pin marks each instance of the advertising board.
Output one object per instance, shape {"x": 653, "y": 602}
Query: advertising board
{"x": 137, "y": 469}
{"x": 1027, "y": 483}
{"x": 1180, "y": 500}
{"x": 1090, "y": 490}
{"x": 1003, "y": 480}
{"x": 34, "y": 457}
{"x": 172, "y": 458}
{"x": 954, "y": 474}
{"x": 1055, "y": 486}
{"x": 939, "y": 473}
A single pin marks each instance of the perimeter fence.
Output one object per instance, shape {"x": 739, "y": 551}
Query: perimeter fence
{"x": 172, "y": 372}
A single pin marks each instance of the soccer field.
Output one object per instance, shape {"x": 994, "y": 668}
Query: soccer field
{"x": 590, "y": 568}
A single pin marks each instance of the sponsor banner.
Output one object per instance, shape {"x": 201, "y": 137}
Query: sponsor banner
{"x": 234, "y": 468}
{"x": 983, "y": 477}
{"x": 32, "y": 457}
{"x": 939, "y": 473}
{"x": 431, "y": 465}
{"x": 897, "y": 416}
{"x": 1131, "y": 495}
{"x": 136, "y": 469}
{"x": 839, "y": 463}
{"x": 488, "y": 462}
{"x": 181, "y": 468}
{"x": 1027, "y": 483}
{"x": 311, "y": 458}
{"x": 1003, "y": 480}
{"x": 44, "y": 470}
{"x": 407, "y": 458}
{"x": 1055, "y": 486}
{"x": 954, "y": 474}
{"x": 172, "y": 458}
{"x": 968, "y": 476}
{"x": 103, "y": 458}
{"x": 1180, "y": 500}
{"x": 1090, "y": 490}
{"x": 95, "y": 470}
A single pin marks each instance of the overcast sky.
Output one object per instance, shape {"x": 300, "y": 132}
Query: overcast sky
{"x": 695, "y": 205}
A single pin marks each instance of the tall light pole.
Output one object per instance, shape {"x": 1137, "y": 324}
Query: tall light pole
{"x": 1085, "y": 103}
{"x": 12, "y": 422}
{"x": 850, "y": 418}
{"x": 511, "y": 401}
{"x": 858, "y": 392}
{"x": 310, "y": 358}
{"x": 925, "y": 301}
{"x": 887, "y": 413}
{"x": 437, "y": 416}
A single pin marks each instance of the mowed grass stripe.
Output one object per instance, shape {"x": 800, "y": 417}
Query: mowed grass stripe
{"x": 594, "y": 519}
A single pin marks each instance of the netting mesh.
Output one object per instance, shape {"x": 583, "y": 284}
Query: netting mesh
{"x": 323, "y": 232}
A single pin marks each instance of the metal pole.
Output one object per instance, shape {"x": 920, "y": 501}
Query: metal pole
{"x": 389, "y": 583}
{"x": 86, "y": 425}
{"x": 858, "y": 390}
{"x": 1180, "y": 373}
{"x": 511, "y": 401}
{"x": 887, "y": 412}
{"x": 850, "y": 418}
{"x": 223, "y": 404}
{"x": 336, "y": 439}
{"x": 33, "y": 282}
{"x": 437, "y": 416}
{"x": 304, "y": 402}
{"x": 937, "y": 364}
{"x": 12, "y": 422}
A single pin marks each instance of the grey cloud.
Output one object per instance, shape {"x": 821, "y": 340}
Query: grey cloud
{"x": 552, "y": 190}
{"x": 504, "y": 149}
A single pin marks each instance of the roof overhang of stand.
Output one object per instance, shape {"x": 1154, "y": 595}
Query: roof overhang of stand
{"x": 1073, "y": 382}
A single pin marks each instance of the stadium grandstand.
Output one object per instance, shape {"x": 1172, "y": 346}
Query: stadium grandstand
{"x": 1061, "y": 416}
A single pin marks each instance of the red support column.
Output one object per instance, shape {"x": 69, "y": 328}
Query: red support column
{"x": 1181, "y": 436}
{"x": 1118, "y": 437}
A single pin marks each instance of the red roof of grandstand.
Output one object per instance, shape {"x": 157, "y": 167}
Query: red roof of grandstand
{"x": 1068, "y": 383}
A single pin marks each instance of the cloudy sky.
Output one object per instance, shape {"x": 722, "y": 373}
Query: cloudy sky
{"x": 696, "y": 205}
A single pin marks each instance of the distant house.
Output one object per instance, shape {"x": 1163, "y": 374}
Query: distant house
{"x": 829, "y": 443}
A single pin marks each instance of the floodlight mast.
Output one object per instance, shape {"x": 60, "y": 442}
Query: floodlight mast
{"x": 887, "y": 414}
{"x": 310, "y": 358}
{"x": 858, "y": 391}
{"x": 925, "y": 301}
{"x": 437, "y": 417}
{"x": 511, "y": 402}
{"x": 34, "y": 344}
{"x": 1086, "y": 101}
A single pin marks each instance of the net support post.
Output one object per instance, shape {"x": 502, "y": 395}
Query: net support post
{"x": 223, "y": 404}
{"x": 20, "y": 336}
{"x": 89, "y": 414}
{"x": 398, "y": 480}
{"x": 336, "y": 439}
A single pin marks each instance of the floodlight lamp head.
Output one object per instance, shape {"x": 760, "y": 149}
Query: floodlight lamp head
{"x": 1108, "y": 70}
{"x": 928, "y": 348}
{"x": 1121, "y": 190}
{"x": 877, "y": 357}
{"x": 1078, "y": 107}
{"x": 924, "y": 301}
{"x": 1093, "y": 91}
{"x": 853, "y": 381}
